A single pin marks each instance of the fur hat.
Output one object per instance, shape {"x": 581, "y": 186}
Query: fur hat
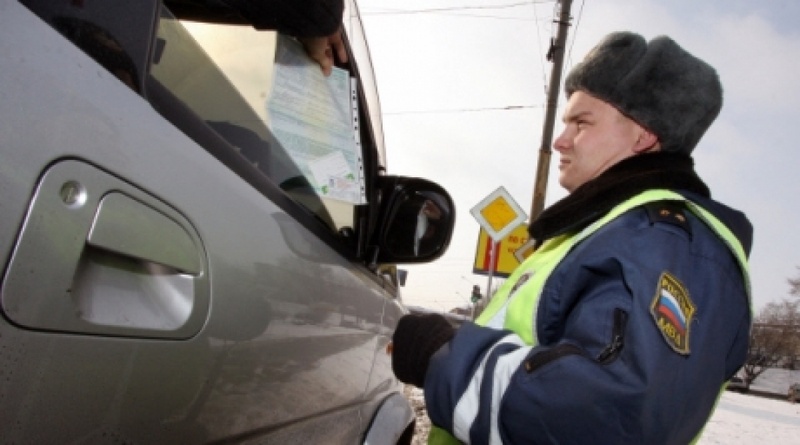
{"x": 657, "y": 84}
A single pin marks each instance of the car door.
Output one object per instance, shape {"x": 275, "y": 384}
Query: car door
{"x": 171, "y": 273}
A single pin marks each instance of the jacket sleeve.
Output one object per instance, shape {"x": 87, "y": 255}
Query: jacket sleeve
{"x": 299, "y": 18}
{"x": 603, "y": 367}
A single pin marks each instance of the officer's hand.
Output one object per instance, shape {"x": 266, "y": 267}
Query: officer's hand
{"x": 416, "y": 339}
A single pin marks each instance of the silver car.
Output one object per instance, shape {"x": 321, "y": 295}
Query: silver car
{"x": 197, "y": 246}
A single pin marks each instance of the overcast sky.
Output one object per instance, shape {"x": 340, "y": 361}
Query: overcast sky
{"x": 448, "y": 71}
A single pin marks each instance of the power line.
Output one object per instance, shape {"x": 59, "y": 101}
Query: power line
{"x": 575, "y": 33}
{"x": 539, "y": 42}
{"x": 485, "y": 16}
{"x": 455, "y": 8}
{"x": 465, "y": 110}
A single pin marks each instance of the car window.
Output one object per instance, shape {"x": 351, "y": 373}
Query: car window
{"x": 225, "y": 74}
{"x": 218, "y": 84}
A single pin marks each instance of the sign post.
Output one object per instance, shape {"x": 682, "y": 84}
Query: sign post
{"x": 498, "y": 214}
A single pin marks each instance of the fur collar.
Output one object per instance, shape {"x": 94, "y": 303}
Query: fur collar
{"x": 622, "y": 181}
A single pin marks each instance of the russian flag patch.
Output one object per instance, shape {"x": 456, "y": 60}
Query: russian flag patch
{"x": 672, "y": 310}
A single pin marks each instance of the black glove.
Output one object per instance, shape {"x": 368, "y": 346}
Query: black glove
{"x": 416, "y": 339}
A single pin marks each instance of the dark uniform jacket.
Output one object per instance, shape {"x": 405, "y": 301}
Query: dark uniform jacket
{"x": 603, "y": 371}
{"x": 299, "y": 18}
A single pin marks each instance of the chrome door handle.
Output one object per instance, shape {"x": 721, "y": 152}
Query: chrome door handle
{"x": 128, "y": 227}
{"x": 98, "y": 255}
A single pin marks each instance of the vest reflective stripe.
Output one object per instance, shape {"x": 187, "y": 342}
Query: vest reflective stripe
{"x": 438, "y": 436}
{"x": 515, "y": 304}
{"x": 730, "y": 239}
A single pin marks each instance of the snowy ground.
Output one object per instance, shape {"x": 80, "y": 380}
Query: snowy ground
{"x": 748, "y": 419}
{"x": 738, "y": 420}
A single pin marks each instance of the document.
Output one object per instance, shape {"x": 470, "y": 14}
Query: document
{"x": 313, "y": 117}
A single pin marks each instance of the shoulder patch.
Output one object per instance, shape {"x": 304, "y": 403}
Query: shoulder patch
{"x": 669, "y": 212}
{"x": 672, "y": 311}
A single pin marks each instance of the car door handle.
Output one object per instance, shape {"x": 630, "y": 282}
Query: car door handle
{"x": 128, "y": 227}
{"x": 99, "y": 255}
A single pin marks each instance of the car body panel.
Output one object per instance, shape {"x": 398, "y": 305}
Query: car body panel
{"x": 152, "y": 295}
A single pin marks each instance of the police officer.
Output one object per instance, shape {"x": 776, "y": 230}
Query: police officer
{"x": 626, "y": 322}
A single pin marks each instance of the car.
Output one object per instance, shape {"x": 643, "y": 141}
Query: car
{"x": 793, "y": 394}
{"x": 199, "y": 231}
{"x": 736, "y": 383}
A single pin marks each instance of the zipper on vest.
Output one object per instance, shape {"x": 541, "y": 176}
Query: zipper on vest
{"x": 610, "y": 353}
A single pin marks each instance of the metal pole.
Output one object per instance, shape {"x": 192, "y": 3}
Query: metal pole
{"x": 557, "y": 54}
{"x": 492, "y": 262}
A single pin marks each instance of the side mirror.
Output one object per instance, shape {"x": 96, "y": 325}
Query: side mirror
{"x": 416, "y": 221}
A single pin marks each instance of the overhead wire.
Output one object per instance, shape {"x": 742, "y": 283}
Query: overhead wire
{"x": 575, "y": 34}
{"x": 455, "y": 8}
{"x": 539, "y": 42}
{"x": 465, "y": 110}
{"x": 532, "y": 3}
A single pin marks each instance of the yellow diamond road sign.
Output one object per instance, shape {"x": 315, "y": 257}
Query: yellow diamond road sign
{"x": 498, "y": 214}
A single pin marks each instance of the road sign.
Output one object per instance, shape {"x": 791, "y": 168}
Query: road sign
{"x": 525, "y": 250}
{"x": 506, "y": 252}
{"x": 498, "y": 214}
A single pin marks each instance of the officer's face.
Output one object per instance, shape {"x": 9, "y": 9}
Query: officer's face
{"x": 596, "y": 136}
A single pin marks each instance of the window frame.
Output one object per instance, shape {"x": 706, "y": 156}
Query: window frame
{"x": 352, "y": 244}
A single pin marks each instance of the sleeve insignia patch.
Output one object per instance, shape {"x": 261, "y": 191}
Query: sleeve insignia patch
{"x": 672, "y": 310}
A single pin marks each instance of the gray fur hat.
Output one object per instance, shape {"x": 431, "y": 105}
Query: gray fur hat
{"x": 657, "y": 84}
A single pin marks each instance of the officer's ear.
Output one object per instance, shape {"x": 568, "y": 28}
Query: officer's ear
{"x": 646, "y": 141}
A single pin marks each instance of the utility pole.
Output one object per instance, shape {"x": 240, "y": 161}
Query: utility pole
{"x": 556, "y": 54}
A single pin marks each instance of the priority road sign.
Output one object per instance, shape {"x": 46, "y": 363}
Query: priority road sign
{"x": 498, "y": 214}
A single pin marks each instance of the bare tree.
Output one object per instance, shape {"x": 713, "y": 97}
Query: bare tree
{"x": 794, "y": 286}
{"x": 773, "y": 340}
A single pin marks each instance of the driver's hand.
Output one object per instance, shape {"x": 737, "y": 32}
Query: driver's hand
{"x": 322, "y": 50}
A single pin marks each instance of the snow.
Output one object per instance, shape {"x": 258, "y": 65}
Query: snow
{"x": 776, "y": 381}
{"x": 750, "y": 419}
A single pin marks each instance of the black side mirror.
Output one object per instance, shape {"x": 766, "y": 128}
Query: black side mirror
{"x": 416, "y": 222}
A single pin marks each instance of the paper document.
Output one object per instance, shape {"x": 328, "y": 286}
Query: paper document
{"x": 312, "y": 116}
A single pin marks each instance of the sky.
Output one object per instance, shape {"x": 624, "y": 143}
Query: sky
{"x": 462, "y": 85}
